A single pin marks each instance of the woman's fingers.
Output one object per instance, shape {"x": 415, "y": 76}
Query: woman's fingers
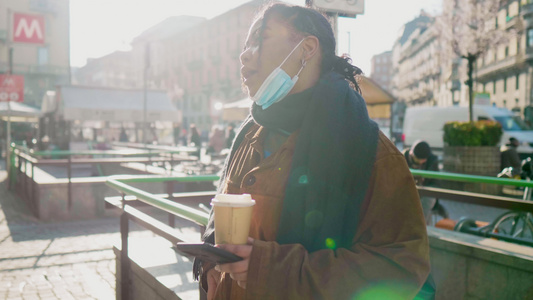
{"x": 242, "y": 284}
{"x": 213, "y": 279}
{"x": 239, "y": 276}
{"x": 236, "y": 267}
{"x": 238, "y": 271}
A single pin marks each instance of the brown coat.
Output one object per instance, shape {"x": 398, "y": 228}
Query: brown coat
{"x": 390, "y": 248}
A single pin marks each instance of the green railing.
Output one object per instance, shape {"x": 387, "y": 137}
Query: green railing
{"x": 28, "y": 158}
{"x": 129, "y": 213}
{"x": 515, "y": 225}
{"x": 136, "y": 152}
{"x": 471, "y": 178}
{"x": 121, "y": 184}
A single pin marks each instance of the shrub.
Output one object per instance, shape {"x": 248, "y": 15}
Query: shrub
{"x": 479, "y": 133}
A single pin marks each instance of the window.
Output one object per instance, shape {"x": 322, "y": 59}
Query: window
{"x": 484, "y": 88}
{"x": 529, "y": 37}
{"x": 511, "y": 123}
{"x": 505, "y": 84}
{"x": 496, "y": 23}
{"x": 518, "y": 45}
{"x": 494, "y": 87}
{"x": 506, "y": 51}
{"x": 504, "y": 105}
{"x": 42, "y": 56}
{"x": 517, "y": 81}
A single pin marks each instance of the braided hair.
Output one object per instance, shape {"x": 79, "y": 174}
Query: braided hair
{"x": 307, "y": 21}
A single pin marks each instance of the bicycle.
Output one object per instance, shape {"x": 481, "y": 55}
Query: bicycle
{"x": 517, "y": 223}
{"x": 512, "y": 226}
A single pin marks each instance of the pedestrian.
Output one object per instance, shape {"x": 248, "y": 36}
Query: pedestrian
{"x": 337, "y": 212}
{"x": 510, "y": 157}
{"x": 230, "y": 136}
{"x": 123, "y": 137}
{"x": 176, "y": 134}
{"x": 420, "y": 157}
{"x": 194, "y": 140}
{"x": 183, "y": 137}
{"x": 216, "y": 140}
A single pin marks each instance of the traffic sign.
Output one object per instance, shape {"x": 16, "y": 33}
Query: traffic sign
{"x": 11, "y": 88}
{"x": 28, "y": 28}
{"x": 343, "y": 7}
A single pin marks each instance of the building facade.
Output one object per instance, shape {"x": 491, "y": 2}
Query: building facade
{"x": 203, "y": 67}
{"x": 34, "y": 43}
{"x": 381, "y": 69}
{"x": 113, "y": 70}
{"x": 504, "y": 73}
{"x": 416, "y": 63}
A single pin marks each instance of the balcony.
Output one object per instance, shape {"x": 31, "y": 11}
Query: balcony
{"x": 526, "y": 10}
{"x": 497, "y": 67}
{"x": 514, "y": 22}
{"x": 35, "y": 69}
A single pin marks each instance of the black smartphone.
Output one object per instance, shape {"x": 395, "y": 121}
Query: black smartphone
{"x": 207, "y": 252}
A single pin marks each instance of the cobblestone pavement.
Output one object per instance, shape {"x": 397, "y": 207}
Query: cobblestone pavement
{"x": 67, "y": 260}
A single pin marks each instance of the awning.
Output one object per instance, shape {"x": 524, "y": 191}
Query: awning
{"x": 106, "y": 104}
{"x": 19, "y": 112}
{"x": 378, "y": 100}
{"x": 373, "y": 93}
{"x": 236, "y": 111}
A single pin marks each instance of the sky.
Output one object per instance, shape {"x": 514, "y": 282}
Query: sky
{"x": 100, "y": 27}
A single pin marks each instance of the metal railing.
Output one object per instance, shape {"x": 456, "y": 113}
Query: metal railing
{"x": 164, "y": 202}
{"x": 23, "y": 160}
{"x": 521, "y": 207}
{"x": 167, "y": 202}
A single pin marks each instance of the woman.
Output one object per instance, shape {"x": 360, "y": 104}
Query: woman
{"x": 337, "y": 213}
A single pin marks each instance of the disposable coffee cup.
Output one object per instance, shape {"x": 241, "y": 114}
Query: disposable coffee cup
{"x": 233, "y": 214}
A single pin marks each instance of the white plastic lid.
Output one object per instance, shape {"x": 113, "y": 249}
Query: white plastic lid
{"x": 241, "y": 200}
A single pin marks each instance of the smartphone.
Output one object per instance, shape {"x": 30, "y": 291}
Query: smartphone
{"x": 207, "y": 252}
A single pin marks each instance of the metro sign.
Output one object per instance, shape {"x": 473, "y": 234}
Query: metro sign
{"x": 344, "y": 7}
{"x": 11, "y": 88}
{"x": 28, "y": 28}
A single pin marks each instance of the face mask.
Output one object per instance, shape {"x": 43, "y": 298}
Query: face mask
{"x": 277, "y": 85}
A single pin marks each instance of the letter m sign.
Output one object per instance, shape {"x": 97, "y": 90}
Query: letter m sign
{"x": 28, "y": 28}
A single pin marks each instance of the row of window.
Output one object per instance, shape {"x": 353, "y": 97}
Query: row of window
{"x": 517, "y": 84}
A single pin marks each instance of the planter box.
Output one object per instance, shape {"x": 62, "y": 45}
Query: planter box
{"x": 482, "y": 160}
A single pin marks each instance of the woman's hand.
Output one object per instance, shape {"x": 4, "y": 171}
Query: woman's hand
{"x": 238, "y": 271}
{"x": 213, "y": 279}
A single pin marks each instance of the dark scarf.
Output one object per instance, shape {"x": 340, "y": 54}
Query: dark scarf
{"x": 331, "y": 167}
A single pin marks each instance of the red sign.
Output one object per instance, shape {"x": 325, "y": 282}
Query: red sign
{"x": 11, "y": 88}
{"x": 28, "y": 28}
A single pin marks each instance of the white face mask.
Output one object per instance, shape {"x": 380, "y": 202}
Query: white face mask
{"x": 277, "y": 85}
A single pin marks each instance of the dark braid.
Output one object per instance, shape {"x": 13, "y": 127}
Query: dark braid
{"x": 308, "y": 21}
{"x": 343, "y": 65}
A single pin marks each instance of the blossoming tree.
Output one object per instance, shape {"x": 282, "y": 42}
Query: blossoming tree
{"x": 468, "y": 29}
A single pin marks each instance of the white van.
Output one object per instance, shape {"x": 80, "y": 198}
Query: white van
{"x": 427, "y": 123}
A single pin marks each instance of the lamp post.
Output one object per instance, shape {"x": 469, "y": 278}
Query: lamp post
{"x": 145, "y": 97}
{"x": 9, "y": 72}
